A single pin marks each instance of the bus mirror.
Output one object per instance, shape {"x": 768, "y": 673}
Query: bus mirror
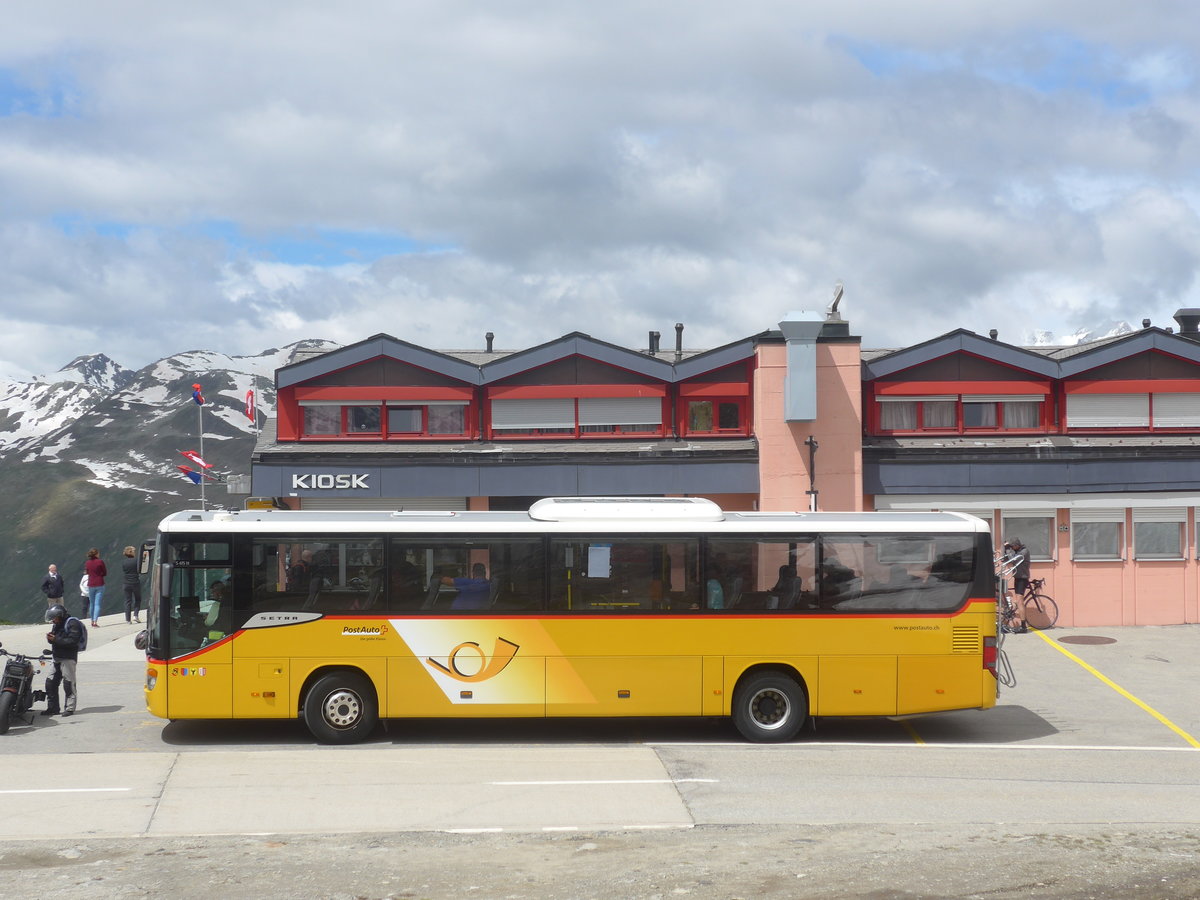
{"x": 146, "y": 555}
{"x": 164, "y": 580}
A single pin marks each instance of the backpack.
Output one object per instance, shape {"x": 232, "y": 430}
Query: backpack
{"x": 83, "y": 635}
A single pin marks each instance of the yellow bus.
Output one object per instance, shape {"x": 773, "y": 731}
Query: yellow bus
{"x": 579, "y": 607}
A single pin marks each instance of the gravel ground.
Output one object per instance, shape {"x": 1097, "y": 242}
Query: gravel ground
{"x": 705, "y": 862}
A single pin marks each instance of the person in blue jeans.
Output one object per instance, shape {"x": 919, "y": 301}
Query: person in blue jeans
{"x": 96, "y": 572}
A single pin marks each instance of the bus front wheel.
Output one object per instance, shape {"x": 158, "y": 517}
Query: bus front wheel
{"x": 769, "y": 708}
{"x": 340, "y": 708}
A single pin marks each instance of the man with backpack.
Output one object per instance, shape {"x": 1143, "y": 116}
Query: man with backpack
{"x": 66, "y": 637}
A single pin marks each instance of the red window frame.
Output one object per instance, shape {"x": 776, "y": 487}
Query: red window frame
{"x": 383, "y": 434}
{"x": 743, "y": 409}
{"x": 576, "y": 432}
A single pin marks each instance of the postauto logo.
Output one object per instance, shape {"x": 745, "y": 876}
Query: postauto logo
{"x": 364, "y": 630}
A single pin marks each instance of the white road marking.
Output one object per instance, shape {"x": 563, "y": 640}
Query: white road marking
{"x": 615, "y": 781}
{"x": 907, "y": 745}
{"x": 66, "y": 790}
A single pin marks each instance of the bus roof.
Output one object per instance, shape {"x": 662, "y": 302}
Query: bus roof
{"x": 613, "y": 515}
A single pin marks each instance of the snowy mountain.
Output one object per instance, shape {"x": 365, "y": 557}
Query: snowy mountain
{"x": 88, "y": 456}
{"x": 1082, "y": 336}
{"x": 31, "y": 410}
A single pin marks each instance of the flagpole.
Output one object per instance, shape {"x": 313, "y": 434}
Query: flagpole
{"x": 200, "y": 423}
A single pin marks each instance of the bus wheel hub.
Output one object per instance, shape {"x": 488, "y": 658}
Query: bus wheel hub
{"x": 342, "y": 709}
{"x": 770, "y": 708}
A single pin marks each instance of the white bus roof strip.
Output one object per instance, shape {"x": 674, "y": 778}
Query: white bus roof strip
{"x": 500, "y": 523}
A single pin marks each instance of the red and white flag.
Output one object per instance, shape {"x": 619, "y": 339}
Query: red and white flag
{"x": 195, "y": 457}
{"x": 250, "y": 405}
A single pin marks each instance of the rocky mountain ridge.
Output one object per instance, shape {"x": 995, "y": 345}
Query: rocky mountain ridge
{"x": 88, "y": 457}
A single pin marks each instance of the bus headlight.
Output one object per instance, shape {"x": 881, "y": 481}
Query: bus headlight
{"x": 151, "y": 679}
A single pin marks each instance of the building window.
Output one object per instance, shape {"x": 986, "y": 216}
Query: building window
{"x": 565, "y": 416}
{"x": 1175, "y": 410}
{"x": 912, "y": 414}
{"x": 715, "y": 416}
{"x": 1097, "y": 534}
{"x": 1159, "y": 533}
{"x": 1035, "y": 530}
{"x": 321, "y": 420}
{"x": 405, "y": 419}
{"x": 1108, "y": 410}
{"x": 620, "y": 415}
{"x": 980, "y": 415}
{"x": 937, "y": 414}
{"x": 362, "y": 419}
{"x": 960, "y": 413}
{"x": 447, "y": 419}
{"x": 367, "y": 420}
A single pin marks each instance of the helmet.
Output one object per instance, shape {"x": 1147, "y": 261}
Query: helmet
{"x": 57, "y": 611}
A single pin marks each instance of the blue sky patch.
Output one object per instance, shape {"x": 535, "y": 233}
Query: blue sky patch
{"x": 20, "y": 97}
{"x": 312, "y": 246}
{"x": 300, "y": 246}
{"x": 1048, "y": 63}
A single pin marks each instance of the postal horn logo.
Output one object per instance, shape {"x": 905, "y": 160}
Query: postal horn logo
{"x": 480, "y": 667}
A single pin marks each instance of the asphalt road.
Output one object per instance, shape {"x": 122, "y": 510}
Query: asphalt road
{"x": 1083, "y": 782}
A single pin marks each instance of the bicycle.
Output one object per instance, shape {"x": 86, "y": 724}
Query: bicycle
{"x": 1041, "y": 612}
{"x": 1008, "y": 616}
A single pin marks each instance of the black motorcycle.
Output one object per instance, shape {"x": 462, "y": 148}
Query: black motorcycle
{"x": 17, "y": 695}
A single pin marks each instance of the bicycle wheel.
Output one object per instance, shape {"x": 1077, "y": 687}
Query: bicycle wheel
{"x": 1041, "y": 612}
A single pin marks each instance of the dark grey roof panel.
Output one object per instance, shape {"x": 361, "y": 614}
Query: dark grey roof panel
{"x": 1131, "y": 345}
{"x": 959, "y": 341}
{"x": 372, "y": 347}
{"x": 714, "y": 359}
{"x": 577, "y": 344}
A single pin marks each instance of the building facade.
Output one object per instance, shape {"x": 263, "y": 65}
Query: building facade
{"x": 1087, "y": 453}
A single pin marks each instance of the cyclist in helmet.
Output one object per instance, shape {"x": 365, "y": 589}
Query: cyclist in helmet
{"x": 64, "y": 637}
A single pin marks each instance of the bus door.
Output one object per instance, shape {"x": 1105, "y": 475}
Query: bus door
{"x": 193, "y": 610}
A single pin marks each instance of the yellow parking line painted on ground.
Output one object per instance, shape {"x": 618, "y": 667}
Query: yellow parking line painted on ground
{"x": 1120, "y": 690}
{"x": 912, "y": 732}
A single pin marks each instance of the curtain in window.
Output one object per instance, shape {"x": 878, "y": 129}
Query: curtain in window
{"x": 938, "y": 414}
{"x": 901, "y": 416}
{"x": 979, "y": 415}
{"x": 1021, "y": 415}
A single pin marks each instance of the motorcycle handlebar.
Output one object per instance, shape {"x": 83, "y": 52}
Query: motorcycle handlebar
{"x": 43, "y": 656}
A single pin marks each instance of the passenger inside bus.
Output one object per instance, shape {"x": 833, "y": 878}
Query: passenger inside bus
{"x": 473, "y": 592}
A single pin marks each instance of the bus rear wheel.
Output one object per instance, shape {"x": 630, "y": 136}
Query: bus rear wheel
{"x": 769, "y": 708}
{"x": 340, "y": 708}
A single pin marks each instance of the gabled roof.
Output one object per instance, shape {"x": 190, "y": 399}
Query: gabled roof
{"x": 484, "y": 368}
{"x": 576, "y": 344}
{"x": 959, "y": 341}
{"x": 1109, "y": 351}
{"x": 372, "y": 348}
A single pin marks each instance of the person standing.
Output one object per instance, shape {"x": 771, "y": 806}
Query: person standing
{"x": 1016, "y": 555}
{"x": 52, "y": 586}
{"x": 133, "y": 585}
{"x": 96, "y": 572}
{"x": 63, "y": 637}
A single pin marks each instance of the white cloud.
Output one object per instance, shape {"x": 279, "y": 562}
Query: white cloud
{"x": 609, "y": 168}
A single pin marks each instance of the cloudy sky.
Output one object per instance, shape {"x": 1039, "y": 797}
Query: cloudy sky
{"x": 234, "y": 176}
